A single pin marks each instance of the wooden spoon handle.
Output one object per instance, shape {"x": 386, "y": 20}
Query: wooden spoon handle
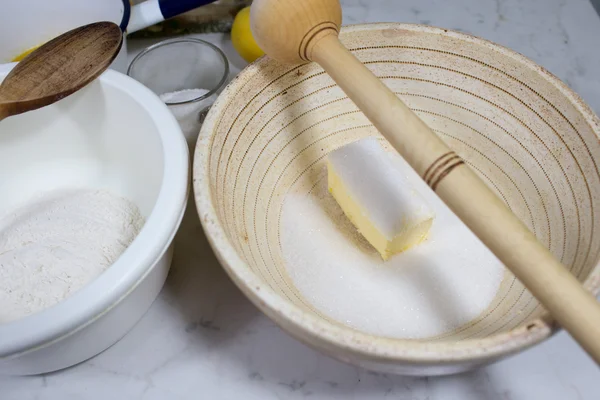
{"x": 4, "y": 112}
{"x": 4, "y": 107}
{"x": 466, "y": 194}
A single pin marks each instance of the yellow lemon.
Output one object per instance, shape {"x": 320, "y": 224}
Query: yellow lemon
{"x": 241, "y": 37}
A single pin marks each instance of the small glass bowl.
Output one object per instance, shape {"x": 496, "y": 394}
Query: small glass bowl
{"x": 187, "y": 74}
{"x": 180, "y": 64}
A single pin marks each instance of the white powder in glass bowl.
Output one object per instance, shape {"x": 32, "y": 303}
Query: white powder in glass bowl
{"x": 188, "y": 114}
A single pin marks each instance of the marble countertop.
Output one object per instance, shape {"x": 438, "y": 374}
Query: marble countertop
{"x": 202, "y": 339}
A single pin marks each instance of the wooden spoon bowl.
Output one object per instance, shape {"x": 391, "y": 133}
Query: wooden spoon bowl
{"x": 60, "y": 67}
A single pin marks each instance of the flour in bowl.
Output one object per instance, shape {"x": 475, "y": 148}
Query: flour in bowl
{"x": 53, "y": 246}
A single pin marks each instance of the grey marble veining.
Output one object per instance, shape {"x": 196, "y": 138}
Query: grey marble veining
{"x": 203, "y": 340}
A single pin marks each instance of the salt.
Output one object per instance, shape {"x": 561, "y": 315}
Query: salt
{"x": 188, "y": 114}
{"x": 433, "y": 288}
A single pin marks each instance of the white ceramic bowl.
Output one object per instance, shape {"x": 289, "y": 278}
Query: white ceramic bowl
{"x": 526, "y": 133}
{"x": 114, "y": 134}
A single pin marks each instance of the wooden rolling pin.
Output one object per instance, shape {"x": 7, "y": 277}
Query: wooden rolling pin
{"x": 307, "y": 30}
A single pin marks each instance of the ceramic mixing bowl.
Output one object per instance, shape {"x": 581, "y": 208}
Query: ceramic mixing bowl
{"x": 523, "y": 131}
{"x": 113, "y": 134}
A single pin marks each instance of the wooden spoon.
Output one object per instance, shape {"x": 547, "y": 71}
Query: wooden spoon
{"x": 59, "y": 68}
{"x": 307, "y": 30}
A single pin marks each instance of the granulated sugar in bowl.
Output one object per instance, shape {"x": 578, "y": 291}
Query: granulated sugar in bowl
{"x": 260, "y": 185}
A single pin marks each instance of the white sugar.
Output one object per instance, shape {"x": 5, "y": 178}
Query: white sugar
{"x": 188, "y": 114}
{"x": 433, "y": 288}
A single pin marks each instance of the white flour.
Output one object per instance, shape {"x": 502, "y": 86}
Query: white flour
{"x": 53, "y": 246}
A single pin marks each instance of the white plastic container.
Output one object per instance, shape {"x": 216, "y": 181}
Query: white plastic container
{"x": 28, "y": 23}
{"x": 114, "y": 134}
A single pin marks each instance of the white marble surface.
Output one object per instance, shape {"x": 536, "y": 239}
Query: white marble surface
{"x": 203, "y": 340}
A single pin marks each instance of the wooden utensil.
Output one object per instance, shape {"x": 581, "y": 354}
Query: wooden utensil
{"x": 296, "y": 31}
{"x": 59, "y": 68}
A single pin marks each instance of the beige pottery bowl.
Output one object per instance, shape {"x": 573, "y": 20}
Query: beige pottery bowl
{"x": 526, "y": 133}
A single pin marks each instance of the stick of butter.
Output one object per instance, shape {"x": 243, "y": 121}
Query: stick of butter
{"x": 377, "y": 198}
